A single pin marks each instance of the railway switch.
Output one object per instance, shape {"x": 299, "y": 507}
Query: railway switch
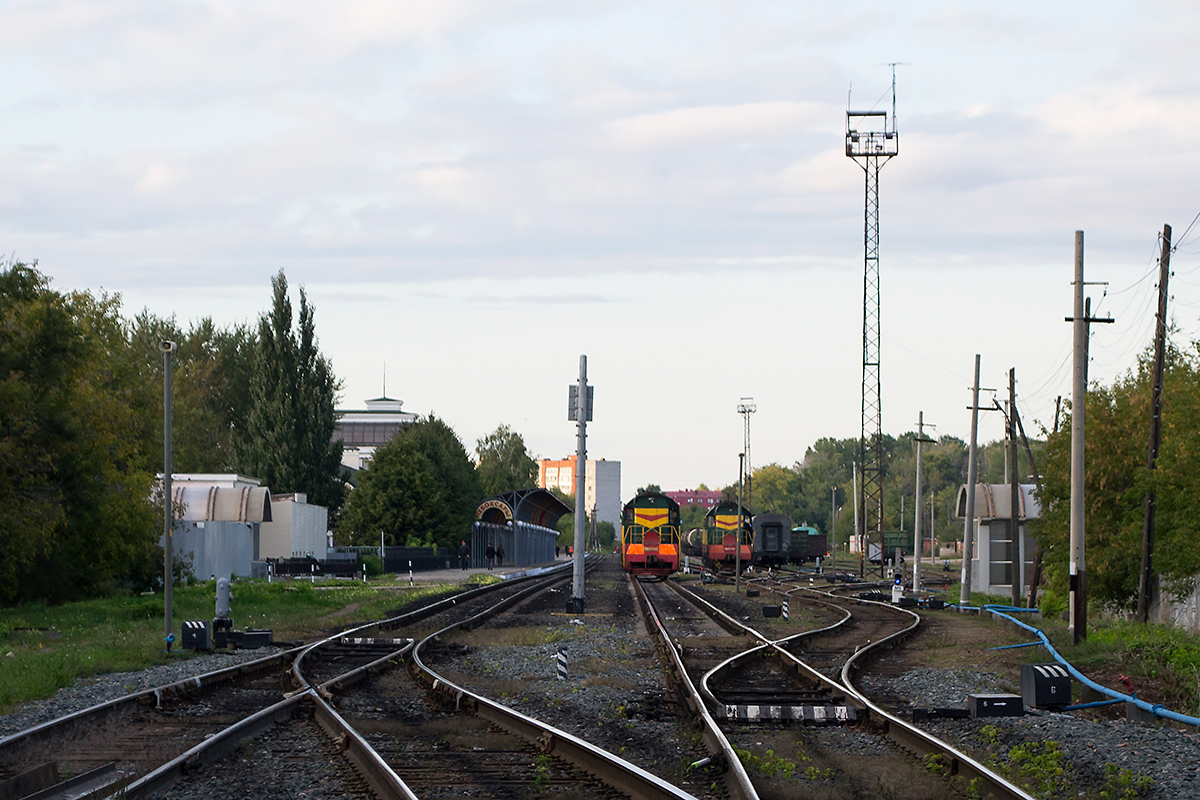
{"x": 1045, "y": 685}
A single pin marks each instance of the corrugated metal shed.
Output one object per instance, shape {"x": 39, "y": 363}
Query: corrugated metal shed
{"x": 204, "y": 502}
{"x": 994, "y": 501}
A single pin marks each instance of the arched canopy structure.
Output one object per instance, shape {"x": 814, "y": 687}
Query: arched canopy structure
{"x": 534, "y": 506}
{"x": 521, "y": 524}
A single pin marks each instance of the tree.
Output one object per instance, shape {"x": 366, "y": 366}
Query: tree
{"x": 211, "y": 388}
{"x": 650, "y": 488}
{"x": 777, "y": 490}
{"x": 421, "y": 485}
{"x": 287, "y": 441}
{"x": 1115, "y": 483}
{"x": 77, "y": 518}
{"x": 504, "y": 464}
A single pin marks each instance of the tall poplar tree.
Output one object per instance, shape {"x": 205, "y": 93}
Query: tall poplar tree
{"x": 287, "y": 441}
{"x": 504, "y": 464}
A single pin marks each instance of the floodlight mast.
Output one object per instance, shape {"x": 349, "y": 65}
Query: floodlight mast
{"x": 871, "y": 143}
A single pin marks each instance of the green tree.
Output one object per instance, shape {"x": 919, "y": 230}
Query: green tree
{"x": 1115, "y": 484}
{"x": 287, "y": 441}
{"x": 210, "y": 387}
{"x": 421, "y": 485}
{"x": 650, "y": 488}
{"x": 777, "y": 491}
{"x": 78, "y": 520}
{"x": 504, "y": 464}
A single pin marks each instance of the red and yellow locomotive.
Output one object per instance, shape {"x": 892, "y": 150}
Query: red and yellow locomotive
{"x": 650, "y": 535}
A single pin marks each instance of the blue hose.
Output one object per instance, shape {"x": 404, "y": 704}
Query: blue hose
{"x": 1154, "y": 708}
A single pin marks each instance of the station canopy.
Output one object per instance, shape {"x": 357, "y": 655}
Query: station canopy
{"x": 533, "y": 506}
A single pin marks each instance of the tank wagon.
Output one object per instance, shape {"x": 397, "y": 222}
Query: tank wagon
{"x": 723, "y": 545}
{"x": 772, "y": 539}
{"x": 807, "y": 545}
{"x": 650, "y": 535}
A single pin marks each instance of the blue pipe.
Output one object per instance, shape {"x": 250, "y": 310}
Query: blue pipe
{"x": 1091, "y": 705}
{"x": 1154, "y": 708}
{"x": 1013, "y": 646}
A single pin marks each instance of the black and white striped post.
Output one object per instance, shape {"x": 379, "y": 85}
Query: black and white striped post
{"x": 562, "y": 663}
{"x": 785, "y": 609}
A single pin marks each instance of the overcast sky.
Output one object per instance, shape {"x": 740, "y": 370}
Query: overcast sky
{"x": 476, "y": 192}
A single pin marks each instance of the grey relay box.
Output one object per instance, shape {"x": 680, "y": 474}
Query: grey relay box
{"x": 995, "y": 705}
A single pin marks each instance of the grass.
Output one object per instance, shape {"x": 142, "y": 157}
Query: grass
{"x": 1153, "y": 655}
{"x": 124, "y": 634}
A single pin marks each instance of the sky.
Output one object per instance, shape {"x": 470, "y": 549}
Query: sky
{"x": 475, "y": 193}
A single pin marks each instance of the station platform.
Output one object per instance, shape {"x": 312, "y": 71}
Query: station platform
{"x": 456, "y": 575}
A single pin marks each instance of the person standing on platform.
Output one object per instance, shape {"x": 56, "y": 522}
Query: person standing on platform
{"x": 464, "y": 554}
{"x": 499, "y": 554}
{"x": 489, "y": 554}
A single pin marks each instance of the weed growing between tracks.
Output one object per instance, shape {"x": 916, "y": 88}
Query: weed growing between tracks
{"x": 46, "y": 648}
{"x": 1042, "y": 769}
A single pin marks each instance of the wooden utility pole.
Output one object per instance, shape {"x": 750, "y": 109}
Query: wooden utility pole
{"x": 1146, "y": 581}
{"x": 1036, "y": 578}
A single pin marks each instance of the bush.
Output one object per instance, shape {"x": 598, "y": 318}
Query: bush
{"x": 372, "y": 564}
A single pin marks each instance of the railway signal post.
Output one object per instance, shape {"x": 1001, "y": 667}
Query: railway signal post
{"x": 579, "y": 410}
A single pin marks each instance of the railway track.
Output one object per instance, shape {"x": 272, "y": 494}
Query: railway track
{"x": 148, "y": 740}
{"x": 797, "y": 694}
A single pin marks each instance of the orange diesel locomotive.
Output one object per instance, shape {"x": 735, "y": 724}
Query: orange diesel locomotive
{"x": 650, "y": 535}
{"x": 721, "y": 539}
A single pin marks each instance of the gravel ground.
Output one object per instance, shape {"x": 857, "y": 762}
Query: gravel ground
{"x": 624, "y": 701}
{"x": 1164, "y": 752}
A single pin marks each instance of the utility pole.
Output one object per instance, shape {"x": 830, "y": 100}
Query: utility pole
{"x": 964, "y": 593}
{"x": 917, "y": 505}
{"x": 580, "y": 410}
{"x": 833, "y": 526}
{"x": 1146, "y": 587}
{"x": 1014, "y": 488}
{"x": 1036, "y": 577}
{"x": 1077, "y": 571}
{"x": 858, "y": 538}
{"x": 167, "y": 349}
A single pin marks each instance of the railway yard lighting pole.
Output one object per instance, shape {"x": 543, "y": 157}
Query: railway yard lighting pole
{"x": 737, "y": 547}
{"x": 871, "y": 142}
{"x": 746, "y": 407}
{"x": 167, "y": 349}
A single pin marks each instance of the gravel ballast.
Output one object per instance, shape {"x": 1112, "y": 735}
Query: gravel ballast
{"x": 625, "y": 701}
